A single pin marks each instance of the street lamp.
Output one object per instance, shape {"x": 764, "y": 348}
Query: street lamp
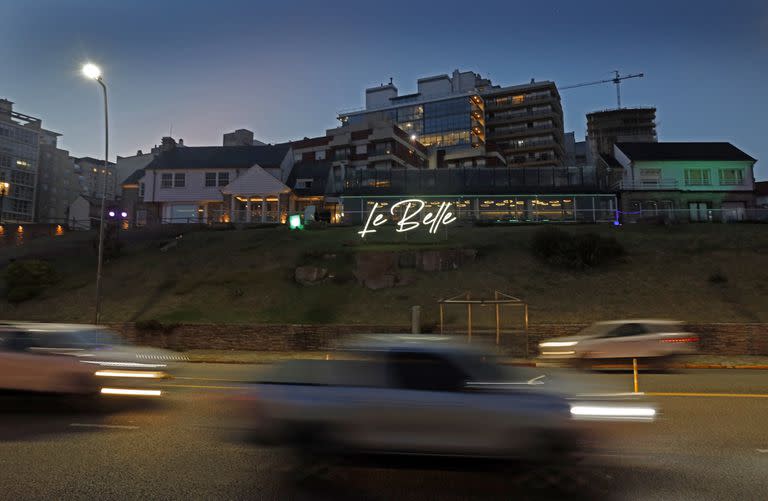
{"x": 4, "y": 187}
{"x": 93, "y": 72}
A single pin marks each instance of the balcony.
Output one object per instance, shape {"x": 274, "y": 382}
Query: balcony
{"x": 647, "y": 185}
{"x": 520, "y": 116}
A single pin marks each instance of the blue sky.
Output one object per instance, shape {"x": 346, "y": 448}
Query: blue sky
{"x": 284, "y": 69}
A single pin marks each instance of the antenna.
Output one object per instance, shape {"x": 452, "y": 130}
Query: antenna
{"x": 170, "y": 130}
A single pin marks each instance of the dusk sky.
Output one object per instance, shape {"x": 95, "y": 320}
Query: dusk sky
{"x": 284, "y": 69}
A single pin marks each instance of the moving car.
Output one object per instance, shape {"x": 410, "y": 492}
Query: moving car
{"x": 77, "y": 359}
{"x": 420, "y": 395}
{"x": 650, "y": 341}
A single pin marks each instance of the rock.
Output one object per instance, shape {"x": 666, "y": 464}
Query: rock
{"x": 310, "y": 275}
{"x": 374, "y": 265}
{"x": 381, "y": 282}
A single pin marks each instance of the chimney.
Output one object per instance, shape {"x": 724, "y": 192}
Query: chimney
{"x": 167, "y": 144}
{"x": 181, "y": 142}
{"x": 6, "y": 107}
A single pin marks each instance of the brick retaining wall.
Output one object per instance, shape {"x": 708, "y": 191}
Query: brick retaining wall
{"x": 716, "y": 339}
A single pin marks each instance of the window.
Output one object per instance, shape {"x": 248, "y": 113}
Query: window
{"x": 697, "y": 177}
{"x": 223, "y": 178}
{"x": 210, "y": 179}
{"x": 626, "y": 330}
{"x": 179, "y": 180}
{"x": 425, "y": 372}
{"x": 303, "y": 183}
{"x": 650, "y": 176}
{"x": 166, "y": 181}
{"x": 320, "y": 155}
{"x": 731, "y": 177}
{"x": 141, "y": 190}
{"x": 361, "y": 149}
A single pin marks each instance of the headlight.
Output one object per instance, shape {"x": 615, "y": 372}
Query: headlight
{"x": 132, "y": 374}
{"x": 599, "y": 411}
{"x": 557, "y": 344}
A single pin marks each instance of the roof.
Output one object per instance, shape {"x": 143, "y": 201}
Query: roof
{"x": 208, "y": 157}
{"x": 317, "y": 171}
{"x": 135, "y": 177}
{"x": 255, "y": 182}
{"x": 683, "y": 151}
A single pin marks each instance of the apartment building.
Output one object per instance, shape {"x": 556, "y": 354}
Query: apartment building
{"x": 518, "y": 125}
{"x": 622, "y": 125}
{"x": 19, "y": 156}
{"x": 92, "y": 174}
{"x": 526, "y": 123}
{"x": 59, "y": 183}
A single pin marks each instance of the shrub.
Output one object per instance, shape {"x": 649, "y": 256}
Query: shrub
{"x": 26, "y": 279}
{"x": 561, "y": 248}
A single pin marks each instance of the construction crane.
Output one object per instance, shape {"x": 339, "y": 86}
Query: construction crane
{"x": 615, "y": 80}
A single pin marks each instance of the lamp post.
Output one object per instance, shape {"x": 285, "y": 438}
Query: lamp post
{"x": 4, "y": 187}
{"x": 93, "y": 72}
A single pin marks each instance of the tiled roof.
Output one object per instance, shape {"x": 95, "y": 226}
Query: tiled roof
{"x": 317, "y": 171}
{"x": 209, "y": 157}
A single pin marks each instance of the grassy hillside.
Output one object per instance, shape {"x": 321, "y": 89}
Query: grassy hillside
{"x": 695, "y": 272}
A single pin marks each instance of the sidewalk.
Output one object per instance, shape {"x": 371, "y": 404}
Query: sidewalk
{"x": 270, "y": 357}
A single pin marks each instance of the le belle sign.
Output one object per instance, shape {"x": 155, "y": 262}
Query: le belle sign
{"x": 411, "y": 217}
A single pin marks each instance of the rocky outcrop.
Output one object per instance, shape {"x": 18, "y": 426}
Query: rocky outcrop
{"x": 380, "y": 270}
{"x": 310, "y": 275}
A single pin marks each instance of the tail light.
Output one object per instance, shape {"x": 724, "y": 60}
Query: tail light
{"x": 686, "y": 339}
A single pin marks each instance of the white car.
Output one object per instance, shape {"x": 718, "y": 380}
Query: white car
{"x": 649, "y": 341}
{"x": 77, "y": 359}
{"x": 426, "y": 396}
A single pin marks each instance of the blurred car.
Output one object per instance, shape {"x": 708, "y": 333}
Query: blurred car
{"x": 652, "y": 342}
{"x": 420, "y": 395}
{"x": 77, "y": 359}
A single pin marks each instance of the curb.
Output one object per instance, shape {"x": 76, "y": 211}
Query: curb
{"x": 513, "y": 364}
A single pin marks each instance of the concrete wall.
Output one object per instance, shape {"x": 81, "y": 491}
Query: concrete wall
{"x": 716, "y": 339}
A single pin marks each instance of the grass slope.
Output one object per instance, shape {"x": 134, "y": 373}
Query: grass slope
{"x": 247, "y": 276}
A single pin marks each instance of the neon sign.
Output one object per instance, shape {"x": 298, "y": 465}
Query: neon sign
{"x": 410, "y": 219}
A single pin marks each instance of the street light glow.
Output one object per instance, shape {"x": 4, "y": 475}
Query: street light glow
{"x": 91, "y": 71}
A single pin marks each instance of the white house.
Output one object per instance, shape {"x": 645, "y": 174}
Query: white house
{"x": 185, "y": 185}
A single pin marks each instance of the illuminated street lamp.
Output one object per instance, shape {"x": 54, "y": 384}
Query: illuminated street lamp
{"x": 4, "y": 187}
{"x": 93, "y": 72}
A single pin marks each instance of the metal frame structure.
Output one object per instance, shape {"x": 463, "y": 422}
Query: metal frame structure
{"x": 499, "y": 299}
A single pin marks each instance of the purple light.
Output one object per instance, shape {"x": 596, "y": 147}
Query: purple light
{"x": 124, "y": 214}
{"x": 111, "y": 213}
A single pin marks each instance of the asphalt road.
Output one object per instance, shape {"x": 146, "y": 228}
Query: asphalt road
{"x": 707, "y": 444}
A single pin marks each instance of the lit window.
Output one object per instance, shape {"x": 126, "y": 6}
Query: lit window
{"x": 518, "y": 99}
{"x": 697, "y": 177}
{"x": 732, "y": 177}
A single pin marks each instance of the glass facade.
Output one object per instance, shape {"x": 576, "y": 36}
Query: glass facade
{"x": 18, "y": 166}
{"x": 439, "y": 124}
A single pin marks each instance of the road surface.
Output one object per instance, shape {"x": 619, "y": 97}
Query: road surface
{"x": 711, "y": 442}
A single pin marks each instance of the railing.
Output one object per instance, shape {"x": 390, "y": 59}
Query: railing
{"x": 467, "y": 180}
{"x": 694, "y": 215}
{"x": 661, "y": 184}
